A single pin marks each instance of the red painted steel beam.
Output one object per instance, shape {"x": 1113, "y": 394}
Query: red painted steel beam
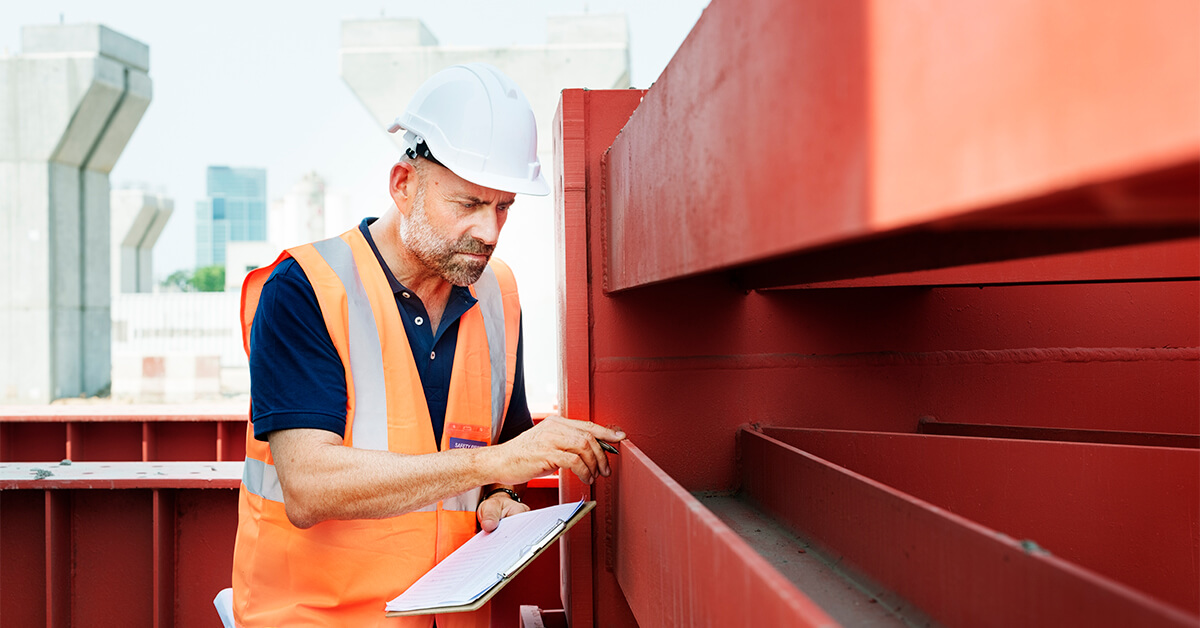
{"x": 122, "y": 433}
{"x": 1173, "y": 260}
{"x": 122, "y": 413}
{"x": 1111, "y": 437}
{"x": 679, "y": 565}
{"x": 58, "y": 559}
{"x": 878, "y": 137}
{"x": 955, "y": 570}
{"x": 119, "y": 475}
{"x": 1128, "y": 513}
{"x": 126, "y": 557}
{"x": 163, "y": 552}
{"x": 584, "y": 127}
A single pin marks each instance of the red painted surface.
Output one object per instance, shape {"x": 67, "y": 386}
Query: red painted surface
{"x": 774, "y": 150}
{"x": 165, "y": 525}
{"x": 585, "y": 125}
{"x": 679, "y": 565}
{"x": 963, "y": 118}
{"x": 1176, "y": 259}
{"x": 1109, "y": 508}
{"x": 135, "y": 557}
{"x": 954, "y": 569}
{"x": 122, "y": 433}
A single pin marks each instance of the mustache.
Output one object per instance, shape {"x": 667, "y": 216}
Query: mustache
{"x": 468, "y": 244}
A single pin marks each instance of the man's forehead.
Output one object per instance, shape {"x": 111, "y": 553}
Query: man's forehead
{"x": 454, "y": 185}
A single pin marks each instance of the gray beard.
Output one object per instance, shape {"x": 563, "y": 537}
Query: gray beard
{"x": 438, "y": 254}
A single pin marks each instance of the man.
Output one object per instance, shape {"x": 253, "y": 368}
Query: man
{"x": 389, "y": 411}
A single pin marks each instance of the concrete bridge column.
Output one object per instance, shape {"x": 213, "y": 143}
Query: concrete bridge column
{"x": 138, "y": 218}
{"x": 68, "y": 105}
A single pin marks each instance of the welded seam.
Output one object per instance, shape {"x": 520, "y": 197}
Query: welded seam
{"x": 1051, "y": 355}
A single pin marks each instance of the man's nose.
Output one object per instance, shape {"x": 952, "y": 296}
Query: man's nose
{"x": 487, "y": 227}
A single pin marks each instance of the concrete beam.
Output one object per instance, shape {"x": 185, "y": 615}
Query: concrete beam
{"x": 68, "y": 105}
{"x": 384, "y": 61}
{"x": 138, "y": 218}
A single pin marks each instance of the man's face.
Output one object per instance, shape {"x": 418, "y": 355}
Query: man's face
{"x": 454, "y": 225}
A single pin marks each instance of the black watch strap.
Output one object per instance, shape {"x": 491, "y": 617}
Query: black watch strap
{"x": 511, "y": 493}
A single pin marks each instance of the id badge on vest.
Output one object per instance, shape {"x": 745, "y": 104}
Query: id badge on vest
{"x": 466, "y": 436}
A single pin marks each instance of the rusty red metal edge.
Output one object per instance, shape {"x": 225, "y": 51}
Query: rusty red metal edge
{"x": 1024, "y": 432}
{"x": 679, "y": 565}
{"x": 953, "y": 569}
{"x": 119, "y": 475}
{"x": 842, "y": 162}
{"x": 1110, "y": 508}
{"x": 1160, "y": 261}
{"x": 120, "y": 413}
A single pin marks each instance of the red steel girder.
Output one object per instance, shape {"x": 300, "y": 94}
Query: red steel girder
{"x": 679, "y": 565}
{"x": 1175, "y": 260}
{"x": 155, "y": 460}
{"x": 876, "y": 137}
{"x": 122, "y": 433}
{"x": 584, "y": 126}
{"x": 126, "y": 557}
{"x": 1126, "y": 512}
{"x": 955, "y": 570}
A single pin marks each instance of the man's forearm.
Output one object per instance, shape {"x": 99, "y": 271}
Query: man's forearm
{"x": 323, "y": 480}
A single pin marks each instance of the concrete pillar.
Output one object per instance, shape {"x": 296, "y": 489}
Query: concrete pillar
{"x": 384, "y": 61}
{"x": 68, "y": 105}
{"x": 138, "y": 218}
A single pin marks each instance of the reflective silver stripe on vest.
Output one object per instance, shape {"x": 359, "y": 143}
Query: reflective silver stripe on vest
{"x": 260, "y": 478}
{"x": 366, "y": 355}
{"x": 467, "y": 501}
{"x": 491, "y": 305}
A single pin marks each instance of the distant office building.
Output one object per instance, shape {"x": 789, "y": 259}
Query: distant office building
{"x": 235, "y": 211}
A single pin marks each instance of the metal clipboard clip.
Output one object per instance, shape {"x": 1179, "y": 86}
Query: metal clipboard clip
{"x": 529, "y": 551}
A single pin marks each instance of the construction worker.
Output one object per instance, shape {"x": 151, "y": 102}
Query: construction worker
{"x": 388, "y": 399}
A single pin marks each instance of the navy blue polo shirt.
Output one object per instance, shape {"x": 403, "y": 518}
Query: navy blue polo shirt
{"x": 297, "y": 379}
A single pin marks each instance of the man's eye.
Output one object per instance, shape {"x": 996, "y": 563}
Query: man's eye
{"x": 469, "y": 205}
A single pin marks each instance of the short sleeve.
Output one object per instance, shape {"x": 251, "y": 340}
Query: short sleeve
{"x": 296, "y": 376}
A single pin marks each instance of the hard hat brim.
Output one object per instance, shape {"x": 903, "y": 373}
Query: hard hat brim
{"x": 534, "y": 187}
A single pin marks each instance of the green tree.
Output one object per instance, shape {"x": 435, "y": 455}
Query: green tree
{"x": 180, "y": 280}
{"x": 209, "y": 278}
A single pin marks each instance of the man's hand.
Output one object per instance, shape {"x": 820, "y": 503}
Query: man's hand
{"x": 555, "y": 443}
{"x": 497, "y": 507}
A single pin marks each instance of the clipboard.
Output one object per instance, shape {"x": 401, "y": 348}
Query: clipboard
{"x": 527, "y": 555}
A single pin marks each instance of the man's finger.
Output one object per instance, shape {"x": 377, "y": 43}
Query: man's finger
{"x": 489, "y": 515}
{"x": 599, "y": 431}
{"x": 514, "y": 508}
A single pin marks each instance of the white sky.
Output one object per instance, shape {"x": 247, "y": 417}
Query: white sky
{"x": 255, "y": 83}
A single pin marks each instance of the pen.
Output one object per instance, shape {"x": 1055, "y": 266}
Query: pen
{"x": 607, "y": 447}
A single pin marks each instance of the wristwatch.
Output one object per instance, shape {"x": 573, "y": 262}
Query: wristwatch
{"x": 511, "y": 493}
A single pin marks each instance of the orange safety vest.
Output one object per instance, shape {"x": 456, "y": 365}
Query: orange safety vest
{"x": 341, "y": 573}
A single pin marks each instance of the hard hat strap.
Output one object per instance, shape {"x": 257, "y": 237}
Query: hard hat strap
{"x": 422, "y": 150}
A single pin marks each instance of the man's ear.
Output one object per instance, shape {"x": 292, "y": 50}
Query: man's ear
{"x": 402, "y": 184}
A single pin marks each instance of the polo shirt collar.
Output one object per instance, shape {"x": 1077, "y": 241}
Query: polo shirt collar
{"x": 461, "y": 293}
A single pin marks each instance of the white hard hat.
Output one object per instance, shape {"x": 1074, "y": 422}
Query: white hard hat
{"x": 476, "y": 122}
